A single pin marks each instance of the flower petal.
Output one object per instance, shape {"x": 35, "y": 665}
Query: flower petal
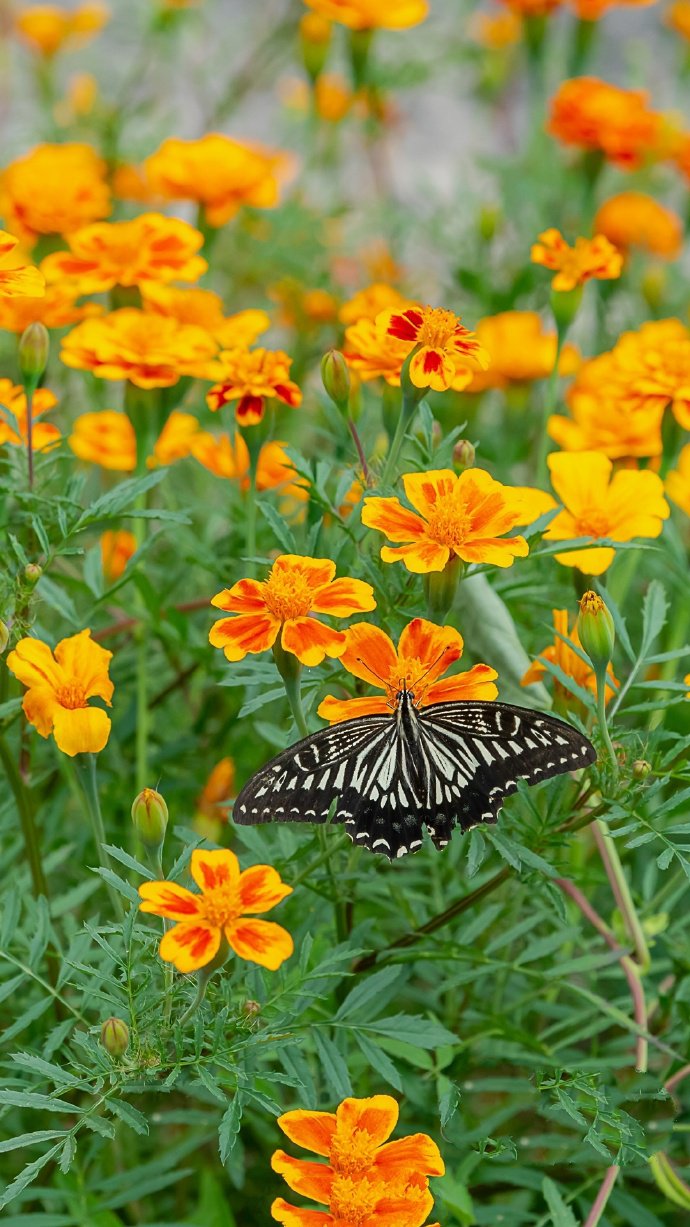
{"x": 432, "y": 368}
{"x": 311, "y": 1130}
{"x": 190, "y": 946}
{"x": 210, "y": 869}
{"x": 310, "y": 640}
{"x": 590, "y": 562}
{"x": 293, "y": 1216}
{"x": 170, "y": 900}
{"x": 376, "y": 1116}
{"x": 261, "y": 888}
{"x": 636, "y": 505}
{"x": 424, "y": 490}
{"x": 82, "y": 730}
{"x": 370, "y": 654}
{"x": 499, "y": 552}
{"x": 246, "y": 596}
{"x": 87, "y": 662}
{"x": 334, "y": 710}
{"x": 415, "y": 1153}
{"x": 476, "y": 683}
{"x": 311, "y": 1180}
{"x": 344, "y": 597}
{"x": 245, "y": 633}
{"x": 39, "y": 704}
{"x": 260, "y": 941}
{"x": 33, "y": 664}
{"x": 391, "y": 518}
{"x": 316, "y": 571}
{"x": 420, "y": 557}
{"x": 435, "y": 647}
{"x": 580, "y": 479}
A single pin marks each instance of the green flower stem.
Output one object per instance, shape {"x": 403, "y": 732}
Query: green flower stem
{"x": 582, "y": 45}
{"x": 440, "y": 588}
{"x": 29, "y": 393}
{"x": 142, "y": 408}
{"x": 290, "y": 670}
{"x": 156, "y": 861}
{"x": 621, "y": 891}
{"x": 602, "y": 1196}
{"x": 85, "y": 770}
{"x": 549, "y": 405}
{"x": 327, "y": 852}
{"x": 202, "y": 979}
{"x": 411, "y": 398}
{"x": 601, "y": 676}
{"x": 22, "y": 796}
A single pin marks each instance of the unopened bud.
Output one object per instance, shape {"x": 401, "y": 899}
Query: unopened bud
{"x": 32, "y": 573}
{"x": 315, "y": 41}
{"x": 641, "y": 769}
{"x": 115, "y": 1036}
{"x": 596, "y": 630}
{"x": 653, "y": 286}
{"x": 464, "y": 454}
{"x": 336, "y": 378}
{"x": 251, "y": 1008}
{"x": 150, "y": 817}
{"x": 34, "y": 346}
{"x": 4, "y": 637}
{"x": 488, "y": 222}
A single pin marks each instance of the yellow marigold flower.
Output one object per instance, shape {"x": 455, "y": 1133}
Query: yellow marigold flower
{"x": 619, "y": 123}
{"x": 520, "y": 350}
{"x": 149, "y": 249}
{"x": 678, "y": 481}
{"x": 589, "y": 258}
{"x": 151, "y": 351}
{"x": 251, "y": 377}
{"x": 229, "y": 458}
{"x": 372, "y": 14}
{"x": 224, "y": 909}
{"x": 53, "y": 190}
{"x": 117, "y": 547}
{"x": 17, "y": 278}
{"x": 204, "y": 308}
{"x": 218, "y": 173}
{"x": 56, "y": 308}
{"x": 596, "y": 504}
{"x": 463, "y": 515}
{"x": 634, "y": 219}
{"x": 58, "y": 689}
{"x": 677, "y": 16}
{"x": 562, "y": 653}
{"x": 370, "y": 352}
{"x": 602, "y": 419}
{"x": 592, "y": 10}
{"x": 175, "y": 440}
{"x": 424, "y": 652}
{"x": 368, "y": 303}
{"x": 366, "y": 1178}
{"x": 651, "y": 368}
{"x": 13, "y": 417}
{"x": 129, "y": 182}
{"x": 47, "y": 29}
{"x": 495, "y": 30}
{"x": 80, "y": 99}
{"x": 281, "y": 605}
{"x": 107, "y": 438}
{"x": 447, "y": 353}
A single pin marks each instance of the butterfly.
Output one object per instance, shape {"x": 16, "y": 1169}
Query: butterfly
{"x": 386, "y": 776}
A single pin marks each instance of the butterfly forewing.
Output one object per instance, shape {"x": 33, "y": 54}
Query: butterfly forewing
{"x": 451, "y": 764}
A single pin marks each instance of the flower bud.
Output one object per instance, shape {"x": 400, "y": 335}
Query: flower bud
{"x": 488, "y": 222}
{"x": 464, "y": 454}
{"x": 4, "y": 637}
{"x": 150, "y": 817}
{"x": 315, "y": 41}
{"x": 653, "y": 286}
{"x": 641, "y": 769}
{"x": 251, "y": 1008}
{"x": 34, "y": 346}
{"x": 115, "y": 1036}
{"x": 596, "y": 630}
{"x": 336, "y": 378}
{"x": 32, "y": 573}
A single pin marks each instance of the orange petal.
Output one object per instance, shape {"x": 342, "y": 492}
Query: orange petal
{"x": 261, "y": 888}
{"x": 293, "y": 1216}
{"x": 170, "y": 900}
{"x": 344, "y": 597}
{"x": 316, "y": 571}
{"x": 409, "y": 1208}
{"x": 39, "y": 704}
{"x": 636, "y": 505}
{"x": 424, "y": 490}
{"x": 370, "y": 654}
{"x": 436, "y": 647}
{"x": 311, "y": 1130}
{"x": 476, "y": 683}
{"x": 82, "y": 730}
{"x": 246, "y": 596}
{"x": 420, "y": 557}
{"x": 391, "y": 518}
{"x": 498, "y": 552}
{"x": 212, "y": 869}
{"x": 189, "y": 946}
{"x": 313, "y": 1180}
{"x": 334, "y": 710}
{"x": 260, "y": 941}
{"x": 88, "y": 663}
{"x": 245, "y": 633}
{"x": 376, "y": 1116}
{"x": 432, "y": 368}
{"x": 416, "y": 1153}
{"x": 309, "y": 640}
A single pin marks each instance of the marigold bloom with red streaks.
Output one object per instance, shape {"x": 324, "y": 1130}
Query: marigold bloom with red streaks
{"x": 634, "y": 219}
{"x": 13, "y": 417}
{"x": 205, "y": 309}
{"x": 424, "y": 652}
{"x": 464, "y": 515}
{"x": 117, "y": 547}
{"x": 225, "y": 908}
{"x": 17, "y": 278}
{"x": 149, "y": 350}
{"x": 589, "y": 258}
{"x": 619, "y": 123}
{"x": 54, "y": 189}
{"x": 597, "y": 504}
{"x": 47, "y": 29}
{"x": 448, "y": 353}
{"x": 372, "y": 14}
{"x": 678, "y": 481}
{"x": 562, "y": 653}
{"x": 151, "y": 248}
{"x": 367, "y": 1180}
{"x": 219, "y": 173}
{"x": 252, "y": 377}
{"x": 59, "y": 686}
{"x": 281, "y": 605}
{"x": 366, "y": 304}
{"x": 520, "y": 350}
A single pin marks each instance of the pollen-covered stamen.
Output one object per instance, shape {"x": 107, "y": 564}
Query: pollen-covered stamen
{"x": 592, "y": 523}
{"x": 449, "y": 524}
{"x": 288, "y": 595}
{"x": 352, "y": 1153}
{"x": 221, "y": 906}
{"x": 72, "y": 696}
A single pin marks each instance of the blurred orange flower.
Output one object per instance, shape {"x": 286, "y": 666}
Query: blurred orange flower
{"x": 366, "y": 304}
{"x": 295, "y": 588}
{"x": 54, "y": 189}
{"x": 58, "y": 689}
{"x": 617, "y": 122}
{"x": 129, "y": 182}
{"x": 634, "y": 219}
{"x": 677, "y": 16}
{"x": 447, "y": 353}
{"x": 220, "y": 174}
{"x": 372, "y": 14}
{"x": 563, "y": 654}
{"x": 651, "y": 368}
{"x": 532, "y": 8}
{"x": 370, "y": 352}
{"x": 520, "y": 350}
{"x": 495, "y": 30}
{"x": 226, "y": 457}
{"x": 117, "y": 547}
{"x": 107, "y": 438}
{"x": 204, "y": 308}
{"x": 17, "y": 278}
{"x": 463, "y": 516}
{"x": 251, "y": 377}
{"x": 149, "y": 249}
{"x": 424, "y": 652}
{"x": 596, "y": 504}
{"x": 592, "y": 10}
{"x": 13, "y": 401}
{"x": 602, "y": 419}
{"x": 589, "y": 258}
{"x": 223, "y": 911}
{"x": 47, "y": 29}
{"x": 678, "y": 481}
{"x": 214, "y": 799}
{"x": 56, "y": 308}
{"x": 175, "y": 440}
{"x": 151, "y": 351}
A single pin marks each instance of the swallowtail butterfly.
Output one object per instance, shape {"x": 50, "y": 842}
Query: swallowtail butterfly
{"x": 449, "y": 764}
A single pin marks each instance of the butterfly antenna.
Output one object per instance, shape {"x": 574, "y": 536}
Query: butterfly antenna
{"x": 373, "y": 672}
{"x": 431, "y": 666}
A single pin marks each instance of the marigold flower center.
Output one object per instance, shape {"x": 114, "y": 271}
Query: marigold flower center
{"x": 72, "y": 696}
{"x": 353, "y": 1201}
{"x": 437, "y": 327}
{"x": 352, "y": 1155}
{"x": 448, "y": 523}
{"x": 221, "y": 906}
{"x": 287, "y": 596}
{"x": 592, "y": 523}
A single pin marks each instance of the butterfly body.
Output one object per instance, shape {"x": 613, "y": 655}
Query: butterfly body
{"x": 450, "y": 764}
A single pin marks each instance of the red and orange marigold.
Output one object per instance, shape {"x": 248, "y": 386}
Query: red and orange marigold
{"x": 619, "y": 123}
{"x": 151, "y": 248}
{"x": 253, "y": 377}
{"x": 54, "y": 189}
{"x": 446, "y": 353}
{"x": 18, "y": 279}
{"x": 13, "y": 417}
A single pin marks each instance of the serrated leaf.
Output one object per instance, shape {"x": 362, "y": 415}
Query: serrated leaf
{"x": 332, "y": 1064}
{"x": 27, "y": 1176}
{"x": 67, "y": 1153}
{"x": 281, "y": 531}
{"x": 229, "y": 1127}
{"x": 123, "y": 496}
{"x": 413, "y": 1029}
{"x": 379, "y": 988}
{"x": 379, "y": 1060}
{"x": 561, "y": 1214}
{"x": 129, "y": 1115}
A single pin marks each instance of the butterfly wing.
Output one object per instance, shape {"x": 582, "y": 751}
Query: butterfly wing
{"x": 475, "y": 753}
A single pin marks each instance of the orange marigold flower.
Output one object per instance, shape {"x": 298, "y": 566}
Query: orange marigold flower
{"x": 224, "y": 910}
{"x": 366, "y": 1180}
{"x": 59, "y": 686}
{"x": 424, "y": 652}
{"x": 520, "y": 350}
{"x": 532, "y": 8}
{"x": 562, "y": 652}
{"x": 597, "y": 505}
{"x": 13, "y": 418}
{"x": 117, "y": 547}
{"x": 678, "y": 481}
{"x": 447, "y": 353}
{"x": 592, "y": 10}
{"x": 229, "y": 457}
{"x": 251, "y": 377}
{"x": 56, "y": 308}
{"x": 619, "y": 123}
{"x": 175, "y": 440}
{"x": 107, "y": 438}
{"x": 129, "y": 182}
{"x": 589, "y": 258}
{"x": 634, "y": 219}
{"x": 495, "y": 30}
{"x": 677, "y": 16}
{"x": 602, "y": 419}
{"x": 372, "y": 354}
{"x": 218, "y": 173}
{"x": 372, "y": 14}
{"x": 17, "y": 278}
{"x": 46, "y": 29}
{"x": 150, "y": 248}
{"x": 54, "y": 189}
{"x": 151, "y": 351}
{"x": 368, "y": 303}
{"x": 461, "y": 515}
{"x": 281, "y": 605}
{"x": 205, "y": 309}
{"x": 651, "y": 367}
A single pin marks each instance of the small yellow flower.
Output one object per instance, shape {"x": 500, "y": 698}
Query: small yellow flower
{"x": 59, "y": 686}
{"x": 589, "y": 258}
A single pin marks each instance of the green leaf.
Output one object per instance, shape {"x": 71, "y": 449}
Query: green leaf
{"x": 561, "y": 1214}
{"x": 379, "y": 987}
{"x": 283, "y": 534}
{"x": 27, "y": 1176}
{"x": 415, "y": 1030}
{"x": 213, "y": 1209}
{"x": 129, "y": 1115}
{"x": 122, "y": 497}
{"x": 229, "y": 1127}
{"x": 332, "y": 1064}
{"x": 379, "y": 1060}
{"x": 654, "y": 610}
